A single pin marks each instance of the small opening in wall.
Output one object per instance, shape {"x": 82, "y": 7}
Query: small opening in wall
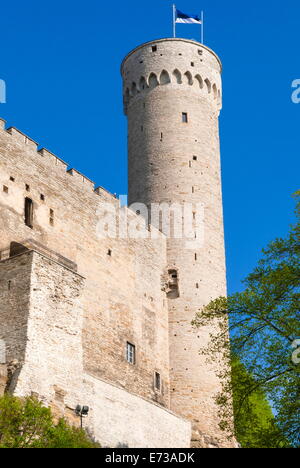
{"x": 193, "y": 189}
{"x": 9, "y": 285}
{"x": 173, "y": 284}
{"x": 196, "y": 257}
{"x": 51, "y": 217}
{"x": 184, "y": 117}
{"x": 192, "y": 64}
{"x": 12, "y": 179}
{"x": 28, "y": 212}
{"x": 27, "y": 188}
{"x": 197, "y": 285}
{"x": 5, "y": 189}
{"x": 42, "y": 197}
{"x": 157, "y": 381}
{"x": 154, "y": 48}
{"x": 130, "y": 353}
{"x": 195, "y": 158}
{"x": 109, "y": 252}
{"x": 161, "y": 137}
{"x": 200, "y": 52}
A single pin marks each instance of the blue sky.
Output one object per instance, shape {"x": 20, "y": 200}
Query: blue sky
{"x": 61, "y": 60}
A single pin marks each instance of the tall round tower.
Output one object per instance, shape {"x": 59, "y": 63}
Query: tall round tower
{"x": 172, "y": 98}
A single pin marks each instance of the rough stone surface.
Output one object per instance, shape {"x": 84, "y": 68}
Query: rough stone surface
{"x": 52, "y": 361}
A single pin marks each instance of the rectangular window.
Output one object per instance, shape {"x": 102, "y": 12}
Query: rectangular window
{"x": 130, "y": 353}
{"x": 5, "y": 189}
{"x": 154, "y": 49}
{"x": 184, "y": 117}
{"x": 157, "y": 381}
{"x": 29, "y": 212}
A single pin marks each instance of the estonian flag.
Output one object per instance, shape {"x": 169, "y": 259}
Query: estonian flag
{"x": 188, "y": 19}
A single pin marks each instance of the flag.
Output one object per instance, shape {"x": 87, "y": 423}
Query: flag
{"x": 187, "y": 19}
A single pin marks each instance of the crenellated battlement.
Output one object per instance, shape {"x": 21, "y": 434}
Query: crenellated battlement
{"x": 51, "y": 161}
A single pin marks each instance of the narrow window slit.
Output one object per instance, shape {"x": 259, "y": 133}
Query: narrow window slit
{"x": 130, "y": 353}
{"x": 28, "y": 212}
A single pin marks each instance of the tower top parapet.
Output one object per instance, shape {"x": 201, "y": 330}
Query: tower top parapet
{"x": 171, "y": 40}
{"x": 172, "y": 61}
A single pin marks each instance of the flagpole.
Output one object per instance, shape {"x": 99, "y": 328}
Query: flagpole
{"x": 202, "y": 27}
{"x": 174, "y": 20}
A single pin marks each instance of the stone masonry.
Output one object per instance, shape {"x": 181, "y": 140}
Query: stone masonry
{"x": 71, "y": 301}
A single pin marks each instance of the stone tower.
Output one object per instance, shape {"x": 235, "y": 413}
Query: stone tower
{"x": 172, "y": 98}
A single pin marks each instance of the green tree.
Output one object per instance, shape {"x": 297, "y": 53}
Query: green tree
{"x": 255, "y": 425}
{"x": 264, "y": 328}
{"x": 26, "y": 423}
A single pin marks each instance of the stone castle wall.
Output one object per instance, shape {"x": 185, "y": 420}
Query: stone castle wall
{"x": 122, "y": 298}
{"x": 46, "y": 351}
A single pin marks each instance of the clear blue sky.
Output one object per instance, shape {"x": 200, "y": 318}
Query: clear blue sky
{"x": 60, "y": 60}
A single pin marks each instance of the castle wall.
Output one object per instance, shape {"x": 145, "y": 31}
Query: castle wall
{"x": 141, "y": 425}
{"x": 51, "y": 363}
{"x": 122, "y": 298}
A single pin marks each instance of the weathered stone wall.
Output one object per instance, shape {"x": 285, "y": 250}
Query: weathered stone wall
{"x": 173, "y": 161}
{"x": 52, "y": 359}
{"x": 143, "y": 424}
{"x": 122, "y": 298}
{"x": 15, "y": 275}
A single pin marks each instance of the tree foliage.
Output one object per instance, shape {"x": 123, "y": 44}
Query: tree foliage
{"x": 26, "y": 423}
{"x": 255, "y": 425}
{"x": 264, "y": 322}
